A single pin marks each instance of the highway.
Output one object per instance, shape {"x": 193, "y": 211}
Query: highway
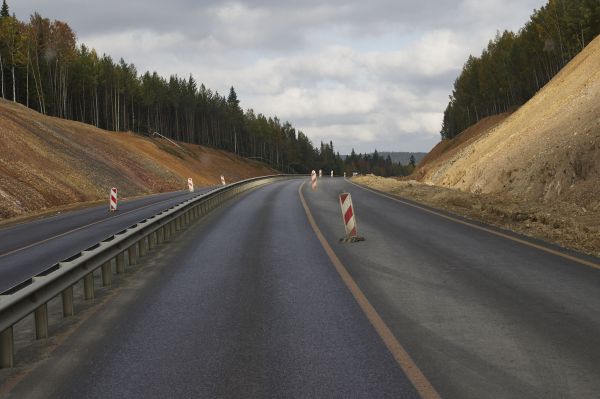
{"x": 252, "y": 303}
{"x": 29, "y": 248}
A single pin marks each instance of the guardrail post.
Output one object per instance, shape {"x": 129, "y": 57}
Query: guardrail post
{"x": 143, "y": 246}
{"x": 132, "y": 252}
{"x": 67, "y": 302}
{"x": 106, "y": 274}
{"x": 7, "y": 348}
{"x": 88, "y": 286}
{"x": 41, "y": 322}
{"x": 121, "y": 263}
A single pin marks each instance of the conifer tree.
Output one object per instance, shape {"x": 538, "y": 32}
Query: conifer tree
{"x": 4, "y": 12}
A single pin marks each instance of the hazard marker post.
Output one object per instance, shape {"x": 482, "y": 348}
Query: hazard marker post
{"x": 313, "y": 180}
{"x": 320, "y": 172}
{"x": 191, "y": 185}
{"x": 332, "y": 173}
{"x": 113, "y": 200}
{"x": 344, "y": 175}
{"x": 349, "y": 219}
{"x": 223, "y": 180}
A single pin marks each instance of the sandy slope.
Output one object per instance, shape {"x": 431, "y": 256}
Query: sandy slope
{"x": 548, "y": 150}
{"x": 49, "y": 162}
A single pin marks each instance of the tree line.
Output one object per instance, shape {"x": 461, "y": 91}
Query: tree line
{"x": 44, "y": 68}
{"x": 514, "y": 66}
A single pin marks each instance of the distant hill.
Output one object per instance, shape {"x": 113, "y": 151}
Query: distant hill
{"x": 402, "y": 157}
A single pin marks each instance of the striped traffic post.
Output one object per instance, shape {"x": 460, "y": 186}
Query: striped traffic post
{"x": 320, "y": 172}
{"x": 332, "y": 173}
{"x": 223, "y": 180}
{"x": 313, "y": 179}
{"x": 190, "y": 185}
{"x": 113, "y": 200}
{"x": 349, "y": 219}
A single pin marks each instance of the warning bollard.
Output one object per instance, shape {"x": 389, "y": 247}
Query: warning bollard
{"x": 332, "y": 173}
{"x": 223, "y": 180}
{"x": 349, "y": 219}
{"x": 344, "y": 175}
{"x": 190, "y": 185}
{"x": 113, "y": 200}
{"x": 320, "y": 173}
{"x": 313, "y": 180}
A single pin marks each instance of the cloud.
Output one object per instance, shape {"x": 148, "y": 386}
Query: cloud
{"x": 367, "y": 75}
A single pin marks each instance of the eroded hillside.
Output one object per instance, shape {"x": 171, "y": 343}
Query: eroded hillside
{"x": 547, "y": 150}
{"x": 48, "y": 162}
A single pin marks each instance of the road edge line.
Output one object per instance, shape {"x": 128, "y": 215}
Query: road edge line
{"x": 408, "y": 366}
{"x": 482, "y": 228}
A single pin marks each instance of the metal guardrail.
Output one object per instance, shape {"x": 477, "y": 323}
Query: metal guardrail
{"x": 33, "y": 295}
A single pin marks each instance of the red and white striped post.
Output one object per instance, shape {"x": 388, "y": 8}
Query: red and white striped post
{"x": 190, "y": 185}
{"x": 113, "y": 200}
{"x": 332, "y": 173}
{"x": 223, "y": 180}
{"x": 349, "y": 219}
{"x": 320, "y": 172}
{"x": 313, "y": 178}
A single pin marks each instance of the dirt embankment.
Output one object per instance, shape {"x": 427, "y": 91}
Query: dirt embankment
{"x": 548, "y": 150}
{"x": 535, "y": 171}
{"x": 50, "y": 163}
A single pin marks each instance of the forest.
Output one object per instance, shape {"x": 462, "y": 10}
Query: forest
{"x": 44, "y": 68}
{"x": 514, "y": 66}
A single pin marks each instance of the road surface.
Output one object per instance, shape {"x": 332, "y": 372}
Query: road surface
{"x": 247, "y": 303}
{"x": 29, "y": 248}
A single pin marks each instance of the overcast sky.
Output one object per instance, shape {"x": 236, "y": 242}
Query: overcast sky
{"x": 365, "y": 74}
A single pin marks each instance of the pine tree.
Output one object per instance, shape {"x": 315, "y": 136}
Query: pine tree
{"x": 232, "y": 99}
{"x": 4, "y": 12}
{"x": 412, "y": 161}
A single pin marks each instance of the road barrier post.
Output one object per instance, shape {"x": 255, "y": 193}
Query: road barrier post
{"x": 131, "y": 252}
{"x": 320, "y": 173}
{"x": 190, "y": 185}
{"x": 349, "y": 219}
{"x": 113, "y": 200}
{"x": 41, "y": 322}
{"x": 7, "y": 349}
{"x": 332, "y": 173}
{"x": 67, "y": 302}
{"x": 88, "y": 286}
{"x": 106, "y": 274}
{"x": 121, "y": 263}
{"x": 223, "y": 180}
{"x": 313, "y": 179}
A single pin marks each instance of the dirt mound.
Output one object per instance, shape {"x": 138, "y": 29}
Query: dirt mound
{"x": 548, "y": 150}
{"x": 48, "y": 162}
{"x": 447, "y": 149}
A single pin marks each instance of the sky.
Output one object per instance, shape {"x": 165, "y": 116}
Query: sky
{"x": 366, "y": 74}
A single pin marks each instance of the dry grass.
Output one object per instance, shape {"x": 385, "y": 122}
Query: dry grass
{"x": 49, "y": 163}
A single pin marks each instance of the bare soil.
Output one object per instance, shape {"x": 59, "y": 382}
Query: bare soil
{"x": 547, "y": 151}
{"x": 50, "y": 164}
{"x": 562, "y": 223}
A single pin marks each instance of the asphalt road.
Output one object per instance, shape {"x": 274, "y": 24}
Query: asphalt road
{"x": 248, "y": 304}
{"x": 29, "y": 248}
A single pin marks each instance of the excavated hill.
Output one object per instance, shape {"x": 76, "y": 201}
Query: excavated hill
{"x": 51, "y": 163}
{"x": 548, "y": 150}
